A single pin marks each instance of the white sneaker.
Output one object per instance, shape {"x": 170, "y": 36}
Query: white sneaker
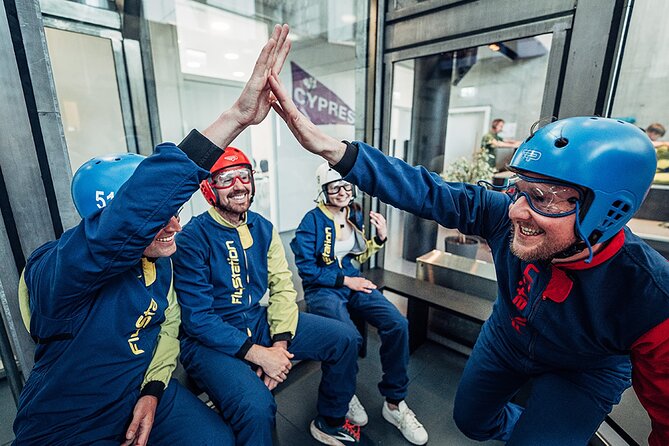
{"x": 356, "y": 412}
{"x": 405, "y": 420}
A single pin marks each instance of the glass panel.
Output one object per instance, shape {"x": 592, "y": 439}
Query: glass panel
{"x": 85, "y": 78}
{"x": 641, "y": 98}
{"x": 401, "y": 4}
{"x": 203, "y": 53}
{"x": 449, "y": 102}
{"x": 641, "y": 94}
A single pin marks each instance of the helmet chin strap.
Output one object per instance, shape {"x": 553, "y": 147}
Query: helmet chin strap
{"x": 578, "y": 246}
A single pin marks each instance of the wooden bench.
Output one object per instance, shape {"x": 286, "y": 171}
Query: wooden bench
{"x": 422, "y": 295}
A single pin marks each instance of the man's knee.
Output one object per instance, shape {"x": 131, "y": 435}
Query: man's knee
{"x": 257, "y": 408}
{"x": 347, "y": 338}
{"x": 397, "y": 325}
{"x": 470, "y": 424}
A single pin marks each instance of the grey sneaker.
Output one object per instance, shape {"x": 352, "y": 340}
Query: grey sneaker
{"x": 356, "y": 412}
{"x": 405, "y": 420}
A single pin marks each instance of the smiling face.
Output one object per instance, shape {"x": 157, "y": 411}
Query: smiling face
{"x": 235, "y": 199}
{"x": 538, "y": 237}
{"x": 339, "y": 193}
{"x": 163, "y": 243}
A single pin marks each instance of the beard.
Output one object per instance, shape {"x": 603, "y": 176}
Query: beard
{"x": 544, "y": 251}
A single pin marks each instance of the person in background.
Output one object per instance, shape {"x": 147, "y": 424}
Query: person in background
{"x": 329, "y": 244}
{"x": 583, "y": 304}
{"x": 492, "y": 141}
{"x": 655, "y": 131}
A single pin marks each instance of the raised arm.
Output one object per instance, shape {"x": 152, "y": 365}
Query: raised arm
{"x": 393, "y": 181}
{"x": 112, "y": 240}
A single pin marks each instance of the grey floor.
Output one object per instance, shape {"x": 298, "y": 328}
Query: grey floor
{"x": 7, "y": 413}
{"x": 434, "y": 372}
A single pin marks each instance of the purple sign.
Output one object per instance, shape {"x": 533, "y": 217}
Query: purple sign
{"x": 318, "y": 102}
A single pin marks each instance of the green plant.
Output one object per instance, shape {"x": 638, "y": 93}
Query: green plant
{"x": 465, "y": 170}
{"x": 471, "y": 170}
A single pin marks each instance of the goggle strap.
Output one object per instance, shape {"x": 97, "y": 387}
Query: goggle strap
{"x": 583, "y": 236}
{"x": 490, "y": 186}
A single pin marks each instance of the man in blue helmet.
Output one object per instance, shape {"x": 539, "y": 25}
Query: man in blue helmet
{"x": 99, "y": 301}
{"x": 583, "y": 304}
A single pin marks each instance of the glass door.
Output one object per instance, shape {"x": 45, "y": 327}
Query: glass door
{"x": 448, "y": 107}
{"x": 85, "y": 75}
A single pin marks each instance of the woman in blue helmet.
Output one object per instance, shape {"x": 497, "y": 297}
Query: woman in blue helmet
{"x": 583, "y": 304}
{"x": 99, "y": 301}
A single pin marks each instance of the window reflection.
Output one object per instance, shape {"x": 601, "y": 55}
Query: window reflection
{"x": 88, "y": 94}
{"x": 203, "y": 52}
{"x": 640, "y": 95}
{"x": 446, "y": 108}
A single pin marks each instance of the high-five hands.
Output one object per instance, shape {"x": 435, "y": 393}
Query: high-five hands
{"x": 306, "y": 133}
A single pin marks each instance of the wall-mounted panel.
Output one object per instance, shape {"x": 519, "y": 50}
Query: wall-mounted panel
{"x": 469, "y": 18}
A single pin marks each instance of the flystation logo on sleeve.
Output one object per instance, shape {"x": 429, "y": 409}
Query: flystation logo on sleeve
{"x": 320, "y": 104}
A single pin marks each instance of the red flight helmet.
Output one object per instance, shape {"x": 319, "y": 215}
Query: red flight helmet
{"x": 231, "y": 157}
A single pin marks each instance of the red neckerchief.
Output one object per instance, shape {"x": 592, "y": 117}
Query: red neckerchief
{"x": 560, "y": 285}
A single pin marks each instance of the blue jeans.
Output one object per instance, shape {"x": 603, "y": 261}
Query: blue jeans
{"x": 392, "y": 327}
{"x": 244, "y": 400}
{"x": 565, "y": 406}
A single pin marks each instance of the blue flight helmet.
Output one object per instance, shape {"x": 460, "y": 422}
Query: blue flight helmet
{"x": 614, "y": 161}
{"x": 98, "y": 180}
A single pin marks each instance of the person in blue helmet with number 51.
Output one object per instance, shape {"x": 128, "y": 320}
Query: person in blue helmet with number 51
{"x": 583, "y": 303}
{"x": 100, "y": 304}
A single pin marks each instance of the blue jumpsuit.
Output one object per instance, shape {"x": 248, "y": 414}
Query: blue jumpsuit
{"x": 582, "y": 332}
{"x": 106, "y": 320}
{"x": 323, "y": 281}
{"x": 221, "y": 273}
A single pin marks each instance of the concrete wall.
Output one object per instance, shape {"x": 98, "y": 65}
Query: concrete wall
{"x": 644, "y": 74}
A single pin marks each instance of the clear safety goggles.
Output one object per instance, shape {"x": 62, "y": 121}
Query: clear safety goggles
{"x": 545, "y": 197}
{"x": 226, "y": 179}
{"x": 334, "y": 188}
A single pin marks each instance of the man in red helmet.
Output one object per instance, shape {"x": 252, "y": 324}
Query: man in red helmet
{"x": 237, "y": 349}
{"x": 100, "y": 301}
{"x": 583, "y": 303}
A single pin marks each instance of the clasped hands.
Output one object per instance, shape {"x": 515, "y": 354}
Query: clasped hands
{"x": 273, "y": 362}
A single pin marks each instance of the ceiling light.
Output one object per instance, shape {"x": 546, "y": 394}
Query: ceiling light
{"x": 238, "y": 74}
{"x": 348, "y": 18}
{"x": 231, "y": 56}
{"x": 468, "y": 92}
{"x": 494, "y": 47}
{"x": 195, "y": 58}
